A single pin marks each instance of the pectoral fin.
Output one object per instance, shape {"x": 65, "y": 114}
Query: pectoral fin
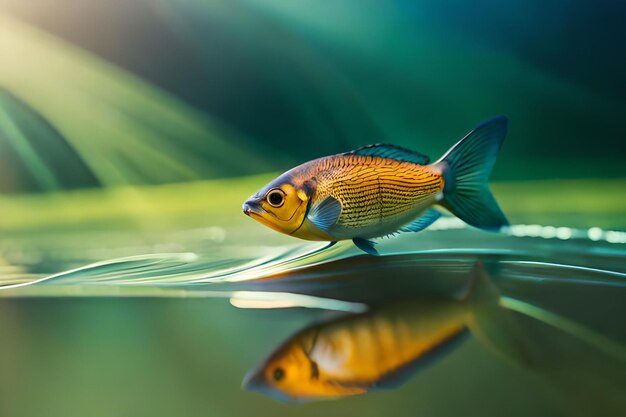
{"x": 324, "y": 214}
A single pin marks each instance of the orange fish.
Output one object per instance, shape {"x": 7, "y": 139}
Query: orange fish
{"x": 382, "y": 348}
{"x": 379, "y": 190}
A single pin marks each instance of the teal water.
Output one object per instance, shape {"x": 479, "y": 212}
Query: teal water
{"x": 163, "y": 330}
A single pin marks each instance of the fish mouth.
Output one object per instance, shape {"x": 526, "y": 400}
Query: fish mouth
{"x": 253, "y": 381}
{"x": 251, "y": 207}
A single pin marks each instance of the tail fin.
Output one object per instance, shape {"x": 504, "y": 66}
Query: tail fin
{"x": 466, "y": 168}
{"x": 494, "y": 326}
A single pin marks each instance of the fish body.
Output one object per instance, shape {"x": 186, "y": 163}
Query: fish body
{"x": 358, "y": 354}
{"x": 376, "y": 194}
{"x": 362, "y": 352}
{"x": 380, "y": 190}
{"x": 384, "y": 347}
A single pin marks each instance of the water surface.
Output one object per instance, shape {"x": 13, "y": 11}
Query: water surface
{"x": 166, "y": 323}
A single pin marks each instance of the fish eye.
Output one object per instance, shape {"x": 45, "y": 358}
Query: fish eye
{"x": 279, "y": 374}
{"x": 276, "y": 198}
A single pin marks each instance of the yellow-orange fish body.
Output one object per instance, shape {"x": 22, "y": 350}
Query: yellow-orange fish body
{"x": 376, "y": 195}
{"x": 354, "y": 355}
{"x": 384, "y": 347}
{"x": 361, "y": 354}
{"x": 379, "y": 190}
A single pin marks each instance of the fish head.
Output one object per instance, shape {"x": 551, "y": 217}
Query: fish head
{"x": 282, "y": 204}
{"x": 285, "y": 376}
{"x": 291, "y": 374}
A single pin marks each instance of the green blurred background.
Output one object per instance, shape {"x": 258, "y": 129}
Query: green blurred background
{"x": 134, "y": 127}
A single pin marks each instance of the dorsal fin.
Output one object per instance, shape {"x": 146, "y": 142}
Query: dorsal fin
{"x": 392, "y": 152}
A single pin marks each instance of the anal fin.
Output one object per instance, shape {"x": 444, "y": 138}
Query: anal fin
{"x": 422, "y": 222}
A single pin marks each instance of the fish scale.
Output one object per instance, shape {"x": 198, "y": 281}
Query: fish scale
{"x": 369, "y": 197}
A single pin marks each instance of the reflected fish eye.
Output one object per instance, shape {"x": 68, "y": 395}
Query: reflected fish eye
{"x": 279, "y": 374}
{"x": 275, "y": 198}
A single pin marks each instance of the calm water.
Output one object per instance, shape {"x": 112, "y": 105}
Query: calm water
{"x": 178, "y": 344}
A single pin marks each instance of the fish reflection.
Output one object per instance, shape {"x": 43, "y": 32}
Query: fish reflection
{"x": 383, "y": 348}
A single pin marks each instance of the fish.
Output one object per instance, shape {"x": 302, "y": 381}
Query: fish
{"x": 384, "y": 347}
{"x": 380, "y": 190}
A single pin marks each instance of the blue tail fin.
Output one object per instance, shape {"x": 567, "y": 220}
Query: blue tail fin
{"x": 466, "y": 168}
